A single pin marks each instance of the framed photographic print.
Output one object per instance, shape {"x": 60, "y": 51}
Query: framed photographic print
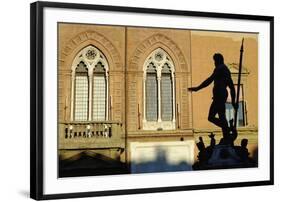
{"x": 135, "y": 100}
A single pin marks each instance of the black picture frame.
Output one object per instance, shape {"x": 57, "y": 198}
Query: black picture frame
{"x": 37, "y": 98}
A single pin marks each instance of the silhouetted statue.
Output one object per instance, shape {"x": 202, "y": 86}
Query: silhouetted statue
{"x": 225, "y": 154}
{"x": 242, "y": 151}
{"x": 202, "y": 155}
{"x": 221, "y": 77}
{"x": 213, "y": 140}
{"x": 210, "y": 148}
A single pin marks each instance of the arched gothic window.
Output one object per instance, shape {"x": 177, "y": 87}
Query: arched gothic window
{"x": 159, "y": 93}
{"x": 89, "y": 86}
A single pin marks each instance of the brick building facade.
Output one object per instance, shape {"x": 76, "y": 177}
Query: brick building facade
{"x": 121, "y": 88}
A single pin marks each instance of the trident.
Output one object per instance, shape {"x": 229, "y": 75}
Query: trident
{"x": 238, "y": 87}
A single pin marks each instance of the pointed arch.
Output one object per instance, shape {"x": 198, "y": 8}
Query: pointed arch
{"x": 159, "y": 41}
{"x": 79, "y": 41}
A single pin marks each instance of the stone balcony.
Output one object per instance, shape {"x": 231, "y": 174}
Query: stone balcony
{"x": 91, "y": 135}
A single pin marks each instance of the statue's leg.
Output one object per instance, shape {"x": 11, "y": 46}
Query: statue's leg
{"x": 219, "y": 108}
{"x": 212, "y": 115}
{"x": 223, "y": 121}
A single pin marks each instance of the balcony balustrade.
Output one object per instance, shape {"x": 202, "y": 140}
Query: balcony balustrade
{"x": 91, "y": 135}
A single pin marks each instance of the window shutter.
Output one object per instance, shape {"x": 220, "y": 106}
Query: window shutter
{"x": 81, "y": 98}
{"x": 166, "y": 97}
{"x": 99, "y": 97}
{"x": 151, "y": 97}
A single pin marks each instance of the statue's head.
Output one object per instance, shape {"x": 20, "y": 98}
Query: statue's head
{"x": 218, "y": 59}
{"x": 244, "y": 143}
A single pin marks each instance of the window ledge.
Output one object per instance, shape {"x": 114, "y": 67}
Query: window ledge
{"x": 159, "y": 126}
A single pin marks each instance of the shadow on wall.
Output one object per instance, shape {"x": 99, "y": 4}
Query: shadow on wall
{"x": 160, "y": 164}
{"x": 255, "y": 156}
{"x": 89, "y": 163}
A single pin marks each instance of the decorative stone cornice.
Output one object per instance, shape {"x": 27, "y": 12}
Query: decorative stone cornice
{"x": 234, "y": 68}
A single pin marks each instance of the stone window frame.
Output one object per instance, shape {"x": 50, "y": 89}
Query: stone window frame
{"x": 152, "y": 58}
{"x": 90, "y": 56}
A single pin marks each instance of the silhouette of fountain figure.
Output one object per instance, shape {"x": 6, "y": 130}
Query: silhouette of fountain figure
{"x": 213, "y": 140}
{"x": 222, "y": 156}
{"x": 202, "y": 156}
{"x": 221, "y": 77}
{"x": 242, "y": 151}
{"x": 225, "y": 154}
